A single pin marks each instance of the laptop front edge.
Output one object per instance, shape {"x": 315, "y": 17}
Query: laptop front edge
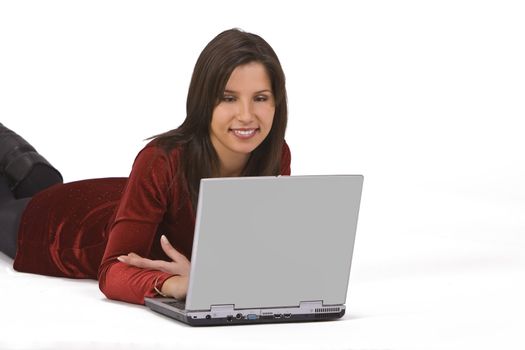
{"x": 229, "y": 315}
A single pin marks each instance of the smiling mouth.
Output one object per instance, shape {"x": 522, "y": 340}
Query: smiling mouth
{"x": 244, "y": 133}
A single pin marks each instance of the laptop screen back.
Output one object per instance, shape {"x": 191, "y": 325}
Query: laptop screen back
{"x": 273, "y": 241}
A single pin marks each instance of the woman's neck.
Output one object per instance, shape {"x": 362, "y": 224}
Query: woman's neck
{"x": 231, "y": 170}
{"x": 232, "y": 166}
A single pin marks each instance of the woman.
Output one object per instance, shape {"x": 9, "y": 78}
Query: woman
{"x": 118, "y": 230}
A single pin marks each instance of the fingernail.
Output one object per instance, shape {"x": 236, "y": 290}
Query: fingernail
{"x": 120, "y": 259}
{"x": 164, "y": 239}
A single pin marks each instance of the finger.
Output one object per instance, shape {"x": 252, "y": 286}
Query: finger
{"x": 170, "y": 251}
{"x": 128, "y": 258}
{"x": 123, "y": 258}
{"x": 138, "y": 261}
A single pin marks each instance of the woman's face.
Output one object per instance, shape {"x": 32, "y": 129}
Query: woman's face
{"x": 244, "y": 116}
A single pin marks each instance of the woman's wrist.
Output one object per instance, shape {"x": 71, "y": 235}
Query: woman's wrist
{"x": 175, "y": 286}
{"x": 158, "y": 288}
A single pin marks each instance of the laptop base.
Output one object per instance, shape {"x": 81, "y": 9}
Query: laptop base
{"x": 241, "y": 317}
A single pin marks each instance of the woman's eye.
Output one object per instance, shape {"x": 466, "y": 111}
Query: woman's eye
{"x": 228, "y": 98}
{"x": 261, "y": 98}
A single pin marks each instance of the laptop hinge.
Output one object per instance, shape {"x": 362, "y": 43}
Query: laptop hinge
{"x": 311, "y": 304}
{"x": 222, "y": 308}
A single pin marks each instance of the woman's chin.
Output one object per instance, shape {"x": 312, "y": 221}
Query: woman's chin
{"x": 245, "y": 149}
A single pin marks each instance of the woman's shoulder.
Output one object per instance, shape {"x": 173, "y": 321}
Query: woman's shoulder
{"x": 154, "y": 161}
{"x": 154, "y": 152}
{"x": 155, "y": 146}
{"x": 286, "y": 148}
{"x": 285, "y": 153}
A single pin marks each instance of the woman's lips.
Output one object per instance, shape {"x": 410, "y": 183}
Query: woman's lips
{"x": 244, "y": 133}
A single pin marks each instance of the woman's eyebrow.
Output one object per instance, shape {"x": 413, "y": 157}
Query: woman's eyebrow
{"x": 257, "y": 92}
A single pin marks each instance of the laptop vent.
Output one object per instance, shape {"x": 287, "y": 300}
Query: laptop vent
{"x": 329, "y": 315}
{"x": 328, "y": 309}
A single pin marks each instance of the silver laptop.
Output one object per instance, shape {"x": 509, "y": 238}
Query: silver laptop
{"x": 269, "y": 249}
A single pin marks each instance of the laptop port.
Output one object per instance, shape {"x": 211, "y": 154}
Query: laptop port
{"x": 287, "y": 315}
{"x": 277, "y": 315}
{"x": 229, "y": 318}
{"x": 238, "y": 316}
{"x": 208, "y": 317}
{"x": 251, "y": 316}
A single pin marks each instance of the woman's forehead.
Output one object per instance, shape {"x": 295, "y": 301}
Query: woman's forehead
{"x": 251, "y": 76}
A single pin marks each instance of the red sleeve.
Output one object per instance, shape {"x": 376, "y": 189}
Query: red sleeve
{"x": 286, "y": 159}
{"x": 142, "y": 206}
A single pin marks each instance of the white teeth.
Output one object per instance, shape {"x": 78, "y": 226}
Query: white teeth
{"x": 242, "y": 132}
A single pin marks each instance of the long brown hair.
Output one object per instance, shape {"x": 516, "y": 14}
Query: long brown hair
{"x": 214, "y": 66}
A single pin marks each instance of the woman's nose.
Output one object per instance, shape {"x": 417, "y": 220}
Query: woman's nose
{"x": 245, "y": 112}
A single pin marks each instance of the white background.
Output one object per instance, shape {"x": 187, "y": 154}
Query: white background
{"x": 424, "y": 98}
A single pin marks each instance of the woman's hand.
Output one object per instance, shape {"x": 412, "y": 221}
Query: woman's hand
{"x": 175, "y": 286}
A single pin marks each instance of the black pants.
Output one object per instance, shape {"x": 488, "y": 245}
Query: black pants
{"x": 13, "y": 203}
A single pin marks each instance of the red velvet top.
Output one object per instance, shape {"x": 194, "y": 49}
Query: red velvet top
{"x": 79, "y": 229}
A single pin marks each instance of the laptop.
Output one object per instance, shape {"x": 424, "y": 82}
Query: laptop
{"x": 269, "y": 249}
